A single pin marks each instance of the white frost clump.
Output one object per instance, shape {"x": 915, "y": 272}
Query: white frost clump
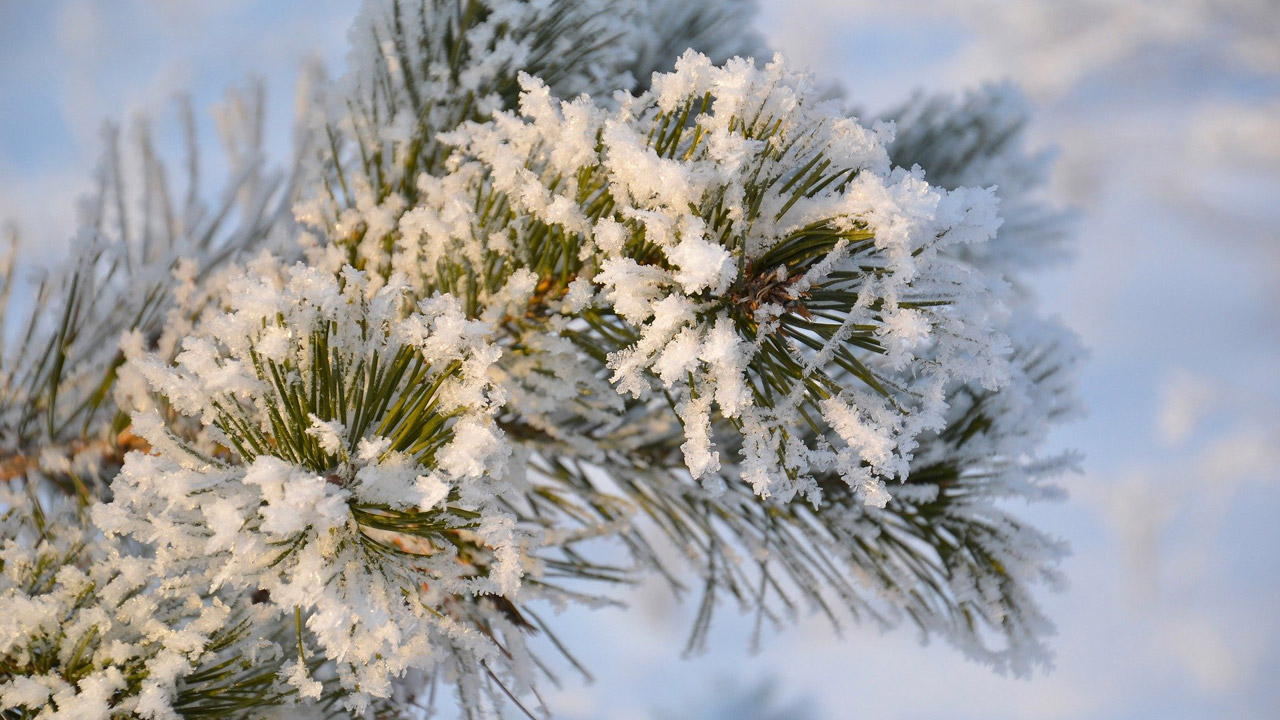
{"x": 368, "y": 496}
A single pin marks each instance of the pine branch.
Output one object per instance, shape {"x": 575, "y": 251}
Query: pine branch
{"x": 697, "y": 316}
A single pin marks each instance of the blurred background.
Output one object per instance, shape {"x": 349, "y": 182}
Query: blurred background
{"x": 1166, "y": 119}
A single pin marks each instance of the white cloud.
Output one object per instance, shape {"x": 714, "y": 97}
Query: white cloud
{"x": 1186, "y": 399}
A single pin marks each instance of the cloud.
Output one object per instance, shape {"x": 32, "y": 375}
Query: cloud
{"x": 1202, "y": 651}
{"x": 1185, "y": 399}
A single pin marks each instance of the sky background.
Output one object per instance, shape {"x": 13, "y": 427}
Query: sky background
{"x": 1166, "y": 118}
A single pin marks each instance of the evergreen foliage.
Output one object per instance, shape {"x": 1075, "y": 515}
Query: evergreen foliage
{"x": 554, "y": 296}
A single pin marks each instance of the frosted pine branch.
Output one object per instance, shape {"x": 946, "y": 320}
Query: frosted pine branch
{"x": 523, "y": 322}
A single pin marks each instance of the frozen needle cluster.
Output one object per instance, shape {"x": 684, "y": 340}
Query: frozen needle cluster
{"x": 559, "y": 303}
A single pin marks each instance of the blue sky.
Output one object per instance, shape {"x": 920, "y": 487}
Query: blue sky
{"x": 1166, "y": 117}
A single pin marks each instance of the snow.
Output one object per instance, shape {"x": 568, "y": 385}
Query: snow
{"x": 702, "y": 265}
{"x": 330, "y": 433}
